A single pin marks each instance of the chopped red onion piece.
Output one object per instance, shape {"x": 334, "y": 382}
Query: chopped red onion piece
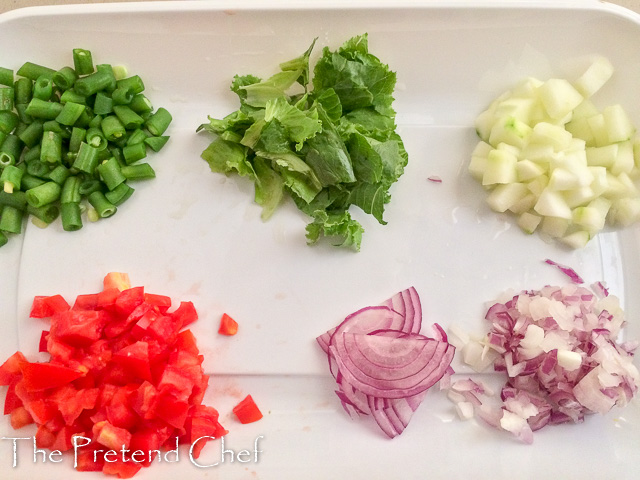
{"x": 434, "y": 179}
{"x": 570, "y": 272}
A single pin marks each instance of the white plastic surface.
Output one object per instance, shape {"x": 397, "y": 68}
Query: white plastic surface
{"x": 195, "y": 235}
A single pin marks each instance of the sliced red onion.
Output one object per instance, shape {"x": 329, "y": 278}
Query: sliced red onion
{"x": 435, "y": 179}
{"x": 382, "y": 365}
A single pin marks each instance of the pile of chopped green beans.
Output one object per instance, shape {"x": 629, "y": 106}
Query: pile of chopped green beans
{"x": 71, "y": 141}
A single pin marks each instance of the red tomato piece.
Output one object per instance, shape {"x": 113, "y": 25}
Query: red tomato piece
{"x": 145, "y": 400}
{"x": 111, "y": 436}
{"x": 107, "y": 298}
{"x": 122, "y": 469}
{"x": 116, "y": 280}
{"x": 78, "y": 327}
{"x": 135, "y": 358}
{"x": 186, "y": 341}
{"x": 170, "y": 410}
{"x": 161, "y": 302}
{"x": 247, "y": 411}
{"x": 42, "y": 347}
{"x": 164, "y": 328}
{"x": 185, "y": 314}
{"x": 85, "y": 460}
{"x": 11, "y": 400}
{"x": 63, "y": 438}
{"x": 141, "y": 327}
{"x": 11, "y": 369}
{"x": 40, "y": 376}
{"x": 88, "y": 301}
{"x": 20, "y": 417}
{"x": 204, "y": 422}
{"x": 44, "y": 307}
{"x": 44, "y": 437}
{"x": 129, "y": 299}
{"x": 228, "y": 326}
{"x": 146, "y": 440}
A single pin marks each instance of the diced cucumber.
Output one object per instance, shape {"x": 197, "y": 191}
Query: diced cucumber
{"x": 593, "y": 79}
{"x": 551, "y": 204}
{"x": 500, "y": 168}
{"x": 528, "y": 222}
{"x": 527, "y": 170}
{"x": 618, "y": 124}
{"x": 559, "y": 97}
{"x": 502, "y": 197}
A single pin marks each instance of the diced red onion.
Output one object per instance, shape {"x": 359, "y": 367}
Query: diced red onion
{"x": 568, "y": 271}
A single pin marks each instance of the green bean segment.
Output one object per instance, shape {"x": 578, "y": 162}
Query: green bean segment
{"x": 71, "y": 141}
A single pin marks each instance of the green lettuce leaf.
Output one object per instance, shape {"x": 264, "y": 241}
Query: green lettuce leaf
{"x": 339, "y": 227}
{"x": 227, "y": 157}
{"x": 269, "y": 187}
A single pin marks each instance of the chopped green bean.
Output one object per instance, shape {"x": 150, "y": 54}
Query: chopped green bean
{"x": 103, "y": 104}
{"x": 120, "y": 194}
{"x": 33, "y": 133}
{"x": 71, "y": 190}
{"x": 38, "y": 168}
{"x": 93, "y": 83}
{"x": 87, "y": 159}
{"x": 10, "y": 150}
{"x": 8, "y": 121}
{"x": 65, "y": 78}
{"x": 59, "y": 174}
{"x": 156, "y": 143}
{"x": 140, "y": 171}
{"x": 32, "y": 154}
{"x": 11, "y": 178}
{"x": 3, "y": 239}
{"x": 51, "y": 147}
{"x": 77, "y": 137}
{"x": 32, "y": 71}
{"x": 96, "y": 138}
{"x": 87, "y": 187}
{"x": 136, "y": 136}
{"x": 7, "y": 96}
{"x": 128, "y": 117}
{"x": 140, "y": 104}
{"x": 43, "y": 194}
{"x": 53, "y": 126}
{"x": 134, "y": 83}
{"x": 111, "y": 173}
{"x": 39, "y": 108}
{"x": 112, "y": 128}
{"x": 122, "y": 96}
{"x": 71, "y": 216}
{"x": 70, "y": 113}
{"x": 6, "y": 76}
{"x": 30, "y": 181}
{"x": 23, "y": 91}
{"x": 72, "y": 96}
{"x": 82, "y": 61}
{"x": 85, "y": 118}
{"x": 46, "y": 213}
{"x": 103, "y": 206}
{"x": 43, "y": 87}
{"x": 106, "y": 69}
{"x": 17, "y": 199}
{"x": 135, "y": 152}
{"x": 11, "y": 219}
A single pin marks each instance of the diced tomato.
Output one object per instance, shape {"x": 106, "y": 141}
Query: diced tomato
{"x": 145, "y": 400}
{"x": 187, "y": 341}
{"x": 228, "y": 326}
{"x": 185, "y": 314}
{"x": 11, "y": 369}
{"x": 40, "y": 376}
{"x": 129, "y": 299}
{"x": 146, "y": 440}
{"x": 88, "y": 461}
{"x": 170, "y": 410}
{"x": 116, "y": 280}
{"x": 161, "y": 302}
{"x": 88, "y": 301}
{"x": 11, "y": 400}
{"x": 111, "y": 436}
{"x": 135, "y": 358}
{"x": 121, "y": 469}
{"x": 247, "y": 411}
{"x": 164, "y": 328}
{"x": 44, "y": 307}
{"x": 203, "y": 422}
{"x": 107, "y": 298}
{"x": 44, "y": 437}
{"x": 78, "y": 327}
{"x": 122, "y": 373}
{"x": 42, "y": 347}
{"x": 20, "y": 417}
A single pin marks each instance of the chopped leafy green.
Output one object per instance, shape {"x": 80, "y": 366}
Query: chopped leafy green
{"x": 329, "y": 142}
